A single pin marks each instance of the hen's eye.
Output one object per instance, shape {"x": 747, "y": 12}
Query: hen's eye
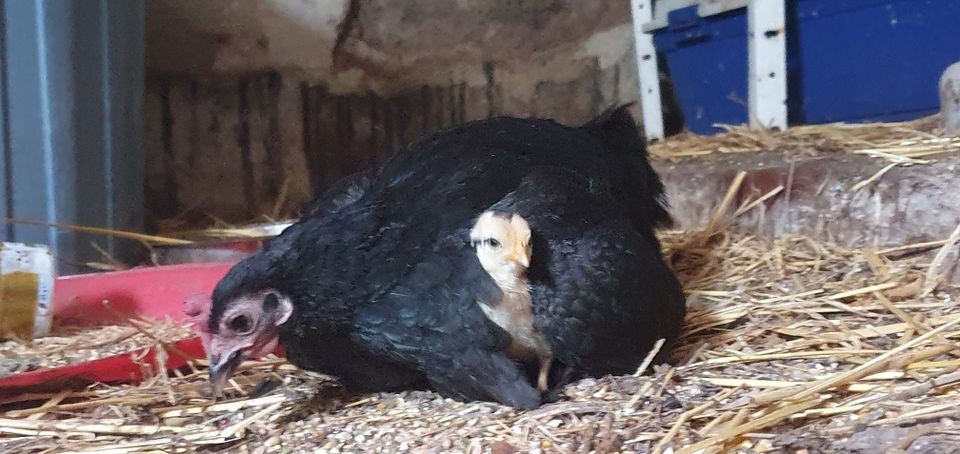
{"x": 241, "y": 324}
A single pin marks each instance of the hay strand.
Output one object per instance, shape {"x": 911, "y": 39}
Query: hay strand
{"x": 932, "y": 278}
{"x": 104, "y": 231}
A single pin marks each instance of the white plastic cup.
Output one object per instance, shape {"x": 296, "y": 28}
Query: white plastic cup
{"x": 27, "y": 276}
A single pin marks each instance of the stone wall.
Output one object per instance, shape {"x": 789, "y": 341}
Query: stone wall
{"x": 253, "y": 105}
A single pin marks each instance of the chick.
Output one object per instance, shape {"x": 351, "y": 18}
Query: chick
{"x": 502, "y": 242}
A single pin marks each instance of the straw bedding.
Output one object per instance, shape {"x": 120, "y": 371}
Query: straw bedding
{"x": 74, "y": 345}
{"x": 903, "y": 142}
{"x": 789, "y": 342}
{"x": 791, "y": 345}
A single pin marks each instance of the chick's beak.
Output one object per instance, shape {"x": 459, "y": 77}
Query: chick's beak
{"x": 523, "y": 260}
{"x": 518, "y": 255}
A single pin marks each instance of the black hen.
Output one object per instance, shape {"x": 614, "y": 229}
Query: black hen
{"x": 379, "y": 287}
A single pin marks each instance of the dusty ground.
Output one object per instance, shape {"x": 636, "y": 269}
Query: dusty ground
{"x": 792, "y": 346}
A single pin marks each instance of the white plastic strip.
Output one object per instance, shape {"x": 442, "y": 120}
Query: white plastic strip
{"x": 768, "y": 64}
{"x": 649, "y": 80}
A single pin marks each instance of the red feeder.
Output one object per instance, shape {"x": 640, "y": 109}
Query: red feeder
{"x": 151, "y": 292}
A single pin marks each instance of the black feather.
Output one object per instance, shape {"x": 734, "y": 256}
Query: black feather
{"x": 602, "y": 294}
{"x": 384, "y": 282}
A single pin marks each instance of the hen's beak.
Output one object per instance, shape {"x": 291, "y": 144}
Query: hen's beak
{"x": 222, "y": 368}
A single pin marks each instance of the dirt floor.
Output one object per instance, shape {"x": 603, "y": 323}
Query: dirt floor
{"x": 791, "y": 346}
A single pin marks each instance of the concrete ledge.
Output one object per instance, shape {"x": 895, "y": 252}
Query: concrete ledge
{"x": 907, "y": 205}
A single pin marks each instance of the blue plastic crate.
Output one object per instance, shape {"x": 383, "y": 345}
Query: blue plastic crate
{"x": 847, "y": 60}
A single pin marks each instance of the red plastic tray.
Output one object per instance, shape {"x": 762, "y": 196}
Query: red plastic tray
{"x": 152, "y": 292}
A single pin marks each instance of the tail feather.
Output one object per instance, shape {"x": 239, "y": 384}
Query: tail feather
{"x": 617, "y": 128}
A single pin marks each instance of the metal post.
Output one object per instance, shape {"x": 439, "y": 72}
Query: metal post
{"x": 71, "y": 93}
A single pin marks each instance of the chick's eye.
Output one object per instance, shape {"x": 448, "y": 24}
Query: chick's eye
{"x": 241, "y": 324}
{"x": 493, "y": 243}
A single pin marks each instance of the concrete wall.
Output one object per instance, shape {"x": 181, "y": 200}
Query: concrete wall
{"x": 251, "y": 105}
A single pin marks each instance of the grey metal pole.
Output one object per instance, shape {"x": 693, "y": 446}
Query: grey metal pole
{"x": 71, "y": 89}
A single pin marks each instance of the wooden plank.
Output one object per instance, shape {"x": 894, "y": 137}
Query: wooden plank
{"x": 290, "y": 129}
{"x": 214, "y": 184}
{"x": 157, "y": 200}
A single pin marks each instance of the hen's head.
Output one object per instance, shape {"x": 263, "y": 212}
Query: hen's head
{"x": 247, "y": 327}
{"x": 502, "y": 242}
